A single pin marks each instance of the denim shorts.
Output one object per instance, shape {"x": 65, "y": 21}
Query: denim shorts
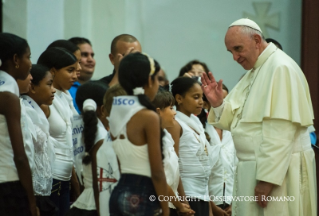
{"x": 60, "y": 196}
{"x": 131, "y": 196}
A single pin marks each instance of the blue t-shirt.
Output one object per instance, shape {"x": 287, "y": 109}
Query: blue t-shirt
{"x": 313, "y": 138}
{"x": 73, "y": 91}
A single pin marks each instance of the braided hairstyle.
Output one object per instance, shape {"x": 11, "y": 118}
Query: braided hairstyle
{"x": 134, "y": 71}
{"x": 94, "y": 90}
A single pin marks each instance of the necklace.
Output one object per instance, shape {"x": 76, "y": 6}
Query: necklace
{"x": 205, "y": 149}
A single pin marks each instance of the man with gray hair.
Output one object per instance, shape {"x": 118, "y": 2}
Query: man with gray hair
{"x": 268, "y": 113}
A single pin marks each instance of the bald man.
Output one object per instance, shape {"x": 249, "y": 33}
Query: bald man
{"x": 121, "y": 45}
{"x": 268, "y": 113}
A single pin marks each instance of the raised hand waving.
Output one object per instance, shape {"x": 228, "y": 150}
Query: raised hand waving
{"x": 213, "y": 90}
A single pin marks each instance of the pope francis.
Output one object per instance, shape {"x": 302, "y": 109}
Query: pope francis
{"x": 268, "y": 113}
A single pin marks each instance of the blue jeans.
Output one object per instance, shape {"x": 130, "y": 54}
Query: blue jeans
{"x": 131, "y": 196}
{"x": 60, "y": 196}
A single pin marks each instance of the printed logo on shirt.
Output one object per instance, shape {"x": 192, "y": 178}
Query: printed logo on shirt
{"x": 105, "y": 178}
{"x": 78, "y": 150}
{"x": 121, "y": 101}
{"x": 75, "y": 141}
{"x": 77, "y": 130}
{"x": 2, "y": 82}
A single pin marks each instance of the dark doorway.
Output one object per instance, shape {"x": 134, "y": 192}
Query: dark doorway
{"x": 310, "y": 61}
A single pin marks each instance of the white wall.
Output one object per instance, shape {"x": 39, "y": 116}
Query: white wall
{"x": 173, "y": 32}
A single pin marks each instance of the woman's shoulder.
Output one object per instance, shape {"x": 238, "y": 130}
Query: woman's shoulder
{"x": 11, "y": 101}
{"x": 146, "y": 115}
{"x": 143, "y": 119}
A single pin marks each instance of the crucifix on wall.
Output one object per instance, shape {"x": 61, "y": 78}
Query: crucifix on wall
{"x": 262, "y": 18}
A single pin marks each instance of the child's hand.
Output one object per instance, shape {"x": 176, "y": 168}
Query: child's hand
{"x": 185, "y": 210}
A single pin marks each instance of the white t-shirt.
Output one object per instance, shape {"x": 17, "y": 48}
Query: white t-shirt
{"x": 86, "y": 199}
{"x": 108, "y": 173}
{"x": 60, "y": 120}
{"x": 78, "y": 142}
{"x": 8, "y": 170}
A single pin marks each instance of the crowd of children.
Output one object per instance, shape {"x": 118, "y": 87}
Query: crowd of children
{"x": 136, "y": 148}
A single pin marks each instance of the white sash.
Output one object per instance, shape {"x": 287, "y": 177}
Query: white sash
{"x": 194, "y": 123}
{"x": 123, "y": 108}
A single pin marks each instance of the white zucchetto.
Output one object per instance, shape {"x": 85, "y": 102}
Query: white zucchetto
{"x": 246, "y": 22}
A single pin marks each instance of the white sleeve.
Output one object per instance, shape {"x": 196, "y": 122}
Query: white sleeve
{"x": 275, "y": 151}
{"x": 218, "y": 111}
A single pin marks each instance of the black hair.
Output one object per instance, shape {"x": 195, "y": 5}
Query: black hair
{"x": 79, "y": 40}
{"x": 112, "y": 92}
{"x": 123, "y": 37}
{"x": 188, "y": 67}
{"x": 202, "y": 117}
{"x": 225, "y": 88}
{"x": 68, "y": 45}
{"x": 268, "y": 40}
{"x": 181, "y": 85}
{"x": 94, "y": 90}
{"x": 11, "y": 44}
{"x": 56, "y": 57}
{"x": 134, "y": 71}
{"x": 163, "y": 98}
{"x": 38, "y": 72}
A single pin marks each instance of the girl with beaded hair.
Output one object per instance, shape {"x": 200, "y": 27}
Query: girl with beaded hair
{"x": 136, "y": 133}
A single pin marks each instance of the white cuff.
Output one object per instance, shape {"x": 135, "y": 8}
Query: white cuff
{"x": 218, "y": 111}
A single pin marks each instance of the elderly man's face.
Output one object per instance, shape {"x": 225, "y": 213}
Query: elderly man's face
{"x": 242, "y": 46}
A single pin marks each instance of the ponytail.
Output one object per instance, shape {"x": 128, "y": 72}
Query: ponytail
{"x": 90, "y": 96}
{"x": 145, "y": 101}
{"x": 89, "y": 133}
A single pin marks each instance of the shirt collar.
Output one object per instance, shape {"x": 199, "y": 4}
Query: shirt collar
{"x": 265, "y": 54}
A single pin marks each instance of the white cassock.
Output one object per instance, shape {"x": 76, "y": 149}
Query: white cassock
{"x": 268, "y": 113}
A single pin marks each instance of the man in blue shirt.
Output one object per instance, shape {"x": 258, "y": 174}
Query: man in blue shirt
{"x": 87, "y": 64}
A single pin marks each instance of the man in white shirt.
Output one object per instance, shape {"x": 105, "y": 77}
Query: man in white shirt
{"x": 268, "y": 113}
